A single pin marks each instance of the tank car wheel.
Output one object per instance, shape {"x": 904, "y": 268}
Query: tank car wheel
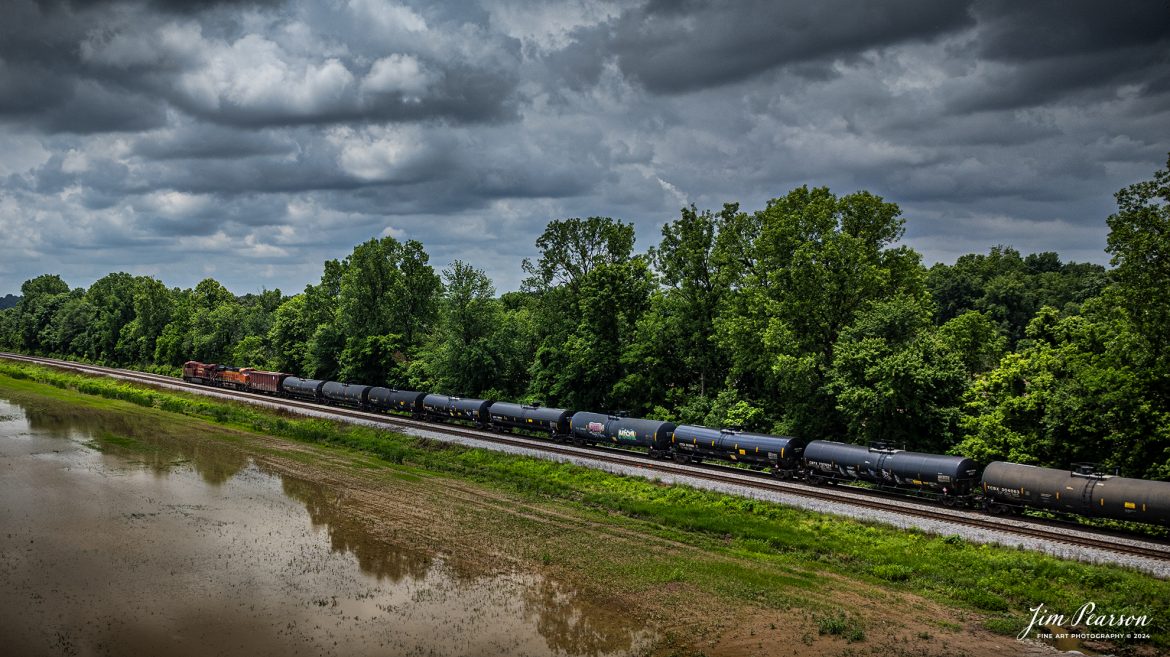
{"x": 948, "y": 500}
{"x": 682, "y": 459}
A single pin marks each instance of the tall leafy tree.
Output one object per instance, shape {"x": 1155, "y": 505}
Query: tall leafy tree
{"x": 41, "y": 297}
{"x": 1091, "y": 385}
{"x": 70, "y": 330}
{"x": 809, "y": 261}
{"x": 112, "y": 298}
{"x": 1139, "y": 239}
{"x": 895, "y": 379}
{"x": 153, "y": 306}
{"x": 386, "y": 303}
{"x": 464, "y": 360}
{"x": 570, "y": 249}
{"x": 591, "y": 292}
{"x": 1010, "y": 288}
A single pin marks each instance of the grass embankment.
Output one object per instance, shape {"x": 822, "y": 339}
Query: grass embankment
{"x": 734, "y": 550}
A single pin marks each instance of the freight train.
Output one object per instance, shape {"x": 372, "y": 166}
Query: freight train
{"x": 953, "y": 480}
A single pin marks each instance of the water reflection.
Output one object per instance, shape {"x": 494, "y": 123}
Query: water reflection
{"x": 157, "y": 445}
{"x": 348, "y": 534}
{"x": 568, "y": 623}
{"x": 233, "y": 560}
{"x": 576, "y": 627}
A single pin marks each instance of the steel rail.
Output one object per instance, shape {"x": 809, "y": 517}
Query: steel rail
{"x": 848, "y": 495}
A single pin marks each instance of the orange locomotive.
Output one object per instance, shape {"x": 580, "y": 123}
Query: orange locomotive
{"x": 239, "y": 378}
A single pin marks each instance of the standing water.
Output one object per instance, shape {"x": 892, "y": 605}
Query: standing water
{"x": 114, "y": 540}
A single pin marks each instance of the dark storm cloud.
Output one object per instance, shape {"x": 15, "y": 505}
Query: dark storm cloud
{"x": 175, "y": 6}
{"x": 179, "y": 139}
{"x": 1046, "y": 50}
{"x": 212, "y": 142}
{"x": 1025, "y": 31}
{"x": 61, "y": 58}
{"x": 92, "y": 107}
{"x": 679, "y": 47}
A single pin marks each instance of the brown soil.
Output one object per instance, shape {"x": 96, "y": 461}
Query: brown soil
{"x": 494, "y": 531}
{"x": 490, "y": 531}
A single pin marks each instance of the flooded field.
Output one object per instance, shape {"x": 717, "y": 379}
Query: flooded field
{"x": 117, "y": 537}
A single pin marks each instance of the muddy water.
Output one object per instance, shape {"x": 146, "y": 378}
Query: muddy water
{"x": 114, "y": 540}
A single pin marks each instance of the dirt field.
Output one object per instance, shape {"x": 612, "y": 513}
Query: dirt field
{"x": 565, "y": 562}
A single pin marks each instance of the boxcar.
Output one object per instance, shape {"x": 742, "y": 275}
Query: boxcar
{"x": 267, "y": 382}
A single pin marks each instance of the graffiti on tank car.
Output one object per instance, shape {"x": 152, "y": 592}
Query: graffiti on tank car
{"x": 627, "y": 434}
{"x": 596, "y": 427}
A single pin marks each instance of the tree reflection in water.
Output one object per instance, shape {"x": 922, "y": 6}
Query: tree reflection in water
{"x": 573, "y": 625}
{"x": 156, "y": 444}
{"x": 347, "y": 533}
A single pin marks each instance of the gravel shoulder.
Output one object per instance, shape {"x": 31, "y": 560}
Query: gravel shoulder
{"x": 703, "y": 594}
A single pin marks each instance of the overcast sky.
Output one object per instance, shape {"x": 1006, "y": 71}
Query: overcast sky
{"x": 251, "y": 141}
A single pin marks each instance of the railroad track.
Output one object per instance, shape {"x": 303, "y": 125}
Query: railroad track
{"x": 1077, "y": 536}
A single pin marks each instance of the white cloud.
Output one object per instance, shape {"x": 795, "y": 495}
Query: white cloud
{"x": 21, "y": 153}
{"x": 384, "y": 153}
{"x": 398, "y": 73}
{"x": 128, "y": 46}
{"x": 254, "y": 73}
{"x": 549, "y": 25}
{"x": 175, "y": 205}
{"x": 387, "y": 17}
{"x": 75, "y": 161}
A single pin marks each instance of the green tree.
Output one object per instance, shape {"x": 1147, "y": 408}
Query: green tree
{"x": 387, "y": 301}
{"x": 112, "y": 298}
{"x": 70, "y": 329}
{"x": 1010, "y": 289}
{"x": 463, "y": 356}
{"x": 1077, "y": 392}
{"x": 590, "y": 292}
{"x": 674, "y": 360}
{"x": 40, "y": 299}
{"x": 805, "y": 266}
{"x": 570, "y": 249}
{"x": 895, "y": 379}
{"x": 1139, "y": 240}
{"x": 153, "y": 306}
{"x": 1090, "y": 383}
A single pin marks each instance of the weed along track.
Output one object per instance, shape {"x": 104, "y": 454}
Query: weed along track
{"x": 634, "y": 556}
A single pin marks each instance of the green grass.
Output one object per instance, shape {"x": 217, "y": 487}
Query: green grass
{"x": 1002, "y": 583}
{"x": 842, "y": 625}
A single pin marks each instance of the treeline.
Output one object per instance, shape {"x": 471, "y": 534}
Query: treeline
{"x": 804, "y": 317}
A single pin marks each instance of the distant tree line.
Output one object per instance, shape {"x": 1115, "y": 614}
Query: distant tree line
{"x": 805, "y": 317}
{"x": 8, "y": 301}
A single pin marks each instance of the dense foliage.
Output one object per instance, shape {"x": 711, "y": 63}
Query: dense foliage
{"x": 803, "y": 317}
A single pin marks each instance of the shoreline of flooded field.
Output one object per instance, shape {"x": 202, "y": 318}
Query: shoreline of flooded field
{"x": 115, "y": 540}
